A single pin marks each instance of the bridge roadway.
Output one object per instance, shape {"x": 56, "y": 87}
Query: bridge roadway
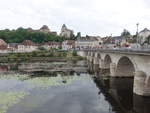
{"x": 123, "y": 63}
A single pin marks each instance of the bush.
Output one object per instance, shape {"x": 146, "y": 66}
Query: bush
{"x": 42, "y": 49}
{"x": 74, "y": 53}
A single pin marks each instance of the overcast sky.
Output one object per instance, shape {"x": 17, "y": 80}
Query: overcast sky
{"x": 92, "y": 17}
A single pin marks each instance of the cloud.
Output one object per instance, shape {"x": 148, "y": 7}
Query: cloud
{"x": 93, "y": 17}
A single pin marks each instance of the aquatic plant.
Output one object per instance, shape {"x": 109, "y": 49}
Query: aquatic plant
{"x": 16, "y": 76}
{"x": 45, "y": 82}
{"x": 8, "y": 99}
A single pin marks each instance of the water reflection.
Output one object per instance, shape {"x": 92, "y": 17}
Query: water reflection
{"x": 119, "y": 93}
{"x": 45, "y": 88}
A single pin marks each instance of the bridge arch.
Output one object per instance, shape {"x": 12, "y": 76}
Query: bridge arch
{"x": 107, "y": 61}
{"x": 99, "y": 56}
{"x": 125, "y": 67}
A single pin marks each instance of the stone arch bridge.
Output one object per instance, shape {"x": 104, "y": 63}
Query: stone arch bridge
{"x": 124, "y": 64}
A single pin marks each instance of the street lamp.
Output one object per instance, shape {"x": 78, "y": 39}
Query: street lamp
{"x": 137, "y": 32}
{"x": 137, "y": 28}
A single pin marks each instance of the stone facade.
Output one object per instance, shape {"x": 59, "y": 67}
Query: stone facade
{"x": 87, "y": 42}
{"x": 3, "y": 45}
{"x": 51, "y": 45}
{"x": 68, "y": 45}
{"x": 65, "y": 32}
{"x": 26, "y": 46}
{"x": 43, "y": 29}
{"x": 143, "y": 36}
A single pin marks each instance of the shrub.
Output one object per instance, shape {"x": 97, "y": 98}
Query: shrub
{"x": 74, "y": 53}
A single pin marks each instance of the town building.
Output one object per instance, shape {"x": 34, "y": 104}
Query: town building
{"x": 13, "y": 46}
{"x": 51, "y": 45}
{"x": 65, "y": 32}
{"x": 3, "y": 46}
{"x": 27, "y": 46}
{"x": 87, "y": 42}
{"x": 43, "y": 29}
{"x": 144, "y": 37}
{"x": 68, "y": 45}
{"x": 119, "y": 40}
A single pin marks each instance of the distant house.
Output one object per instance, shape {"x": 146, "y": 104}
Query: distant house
{"x": 144, "y": 36}
{"x": 65, "y": 32}
{"x": 13, "y": 46}
{"x": 3, "y": 45}
{"x": 119, "y": 40}
{"x": 115, "y": 41}
{"x": 51, "y": 45}
{"x": 68, "y": 45}
{"x": 87, "y": 42}
{"x": 43, "y": 29}
{"x": 27, "y": 46}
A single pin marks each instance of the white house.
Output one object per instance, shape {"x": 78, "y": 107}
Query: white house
{"x": 51, "y": 45}
{"x": 87, "y": 42}
{"x": 26, "y": 46}
{"x": 68, "y": 45}
{"x": 144, "y": 36}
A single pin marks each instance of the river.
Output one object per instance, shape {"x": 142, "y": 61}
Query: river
{"x": 66, "y": 87}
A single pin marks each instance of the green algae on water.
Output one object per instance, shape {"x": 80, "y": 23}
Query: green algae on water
{"x": 7, "y": 99}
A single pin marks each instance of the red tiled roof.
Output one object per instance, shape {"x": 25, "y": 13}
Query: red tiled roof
{"x": 28, "y": 43}
{"x": 2, "y": 42}
{"x": 3, "y": 45}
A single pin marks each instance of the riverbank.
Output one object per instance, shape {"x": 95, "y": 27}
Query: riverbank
{"x": 40, "y": 56}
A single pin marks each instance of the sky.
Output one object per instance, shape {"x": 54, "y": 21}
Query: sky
{"x": 90, "y": 17}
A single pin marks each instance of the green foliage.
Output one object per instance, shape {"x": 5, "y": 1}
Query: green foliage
{"x": 41, "y": 49}
{"x": 8, "y": 99}
{"x": 21, "y": 34}
{"x": 74, "y": 53}
{"x": 125, "y": 33}
{"x": 78, "y": 35}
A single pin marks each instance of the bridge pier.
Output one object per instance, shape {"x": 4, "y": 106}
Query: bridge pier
{"x": 88, "y": 57}
{"x": 91, "y": 59}
{"x": 96, "y": 61}
{"x": 113, "y": 68}
{"x": 102, "y": 64}
{"x": 103, "y": 68}
{"x": 141, "y": 84}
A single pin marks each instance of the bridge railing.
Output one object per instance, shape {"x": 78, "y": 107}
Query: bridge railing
{"x": 138, "y": 50}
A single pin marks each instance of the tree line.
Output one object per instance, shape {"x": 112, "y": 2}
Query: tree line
{"x": 21, "y": 34}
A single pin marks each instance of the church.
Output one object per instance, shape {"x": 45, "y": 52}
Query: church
{"x": 65, "y": 32}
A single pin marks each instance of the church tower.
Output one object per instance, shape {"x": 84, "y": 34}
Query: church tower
{"x": 65, "y": 32}
{"x": 64, "y": 28}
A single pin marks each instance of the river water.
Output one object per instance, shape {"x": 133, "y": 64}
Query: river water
{"x": 66, "y": 87}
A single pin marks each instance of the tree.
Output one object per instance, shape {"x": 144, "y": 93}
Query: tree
{"x": 125, "y": 33}
{"x": 78, "y": 35}
{"x": 21, "y": 34}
